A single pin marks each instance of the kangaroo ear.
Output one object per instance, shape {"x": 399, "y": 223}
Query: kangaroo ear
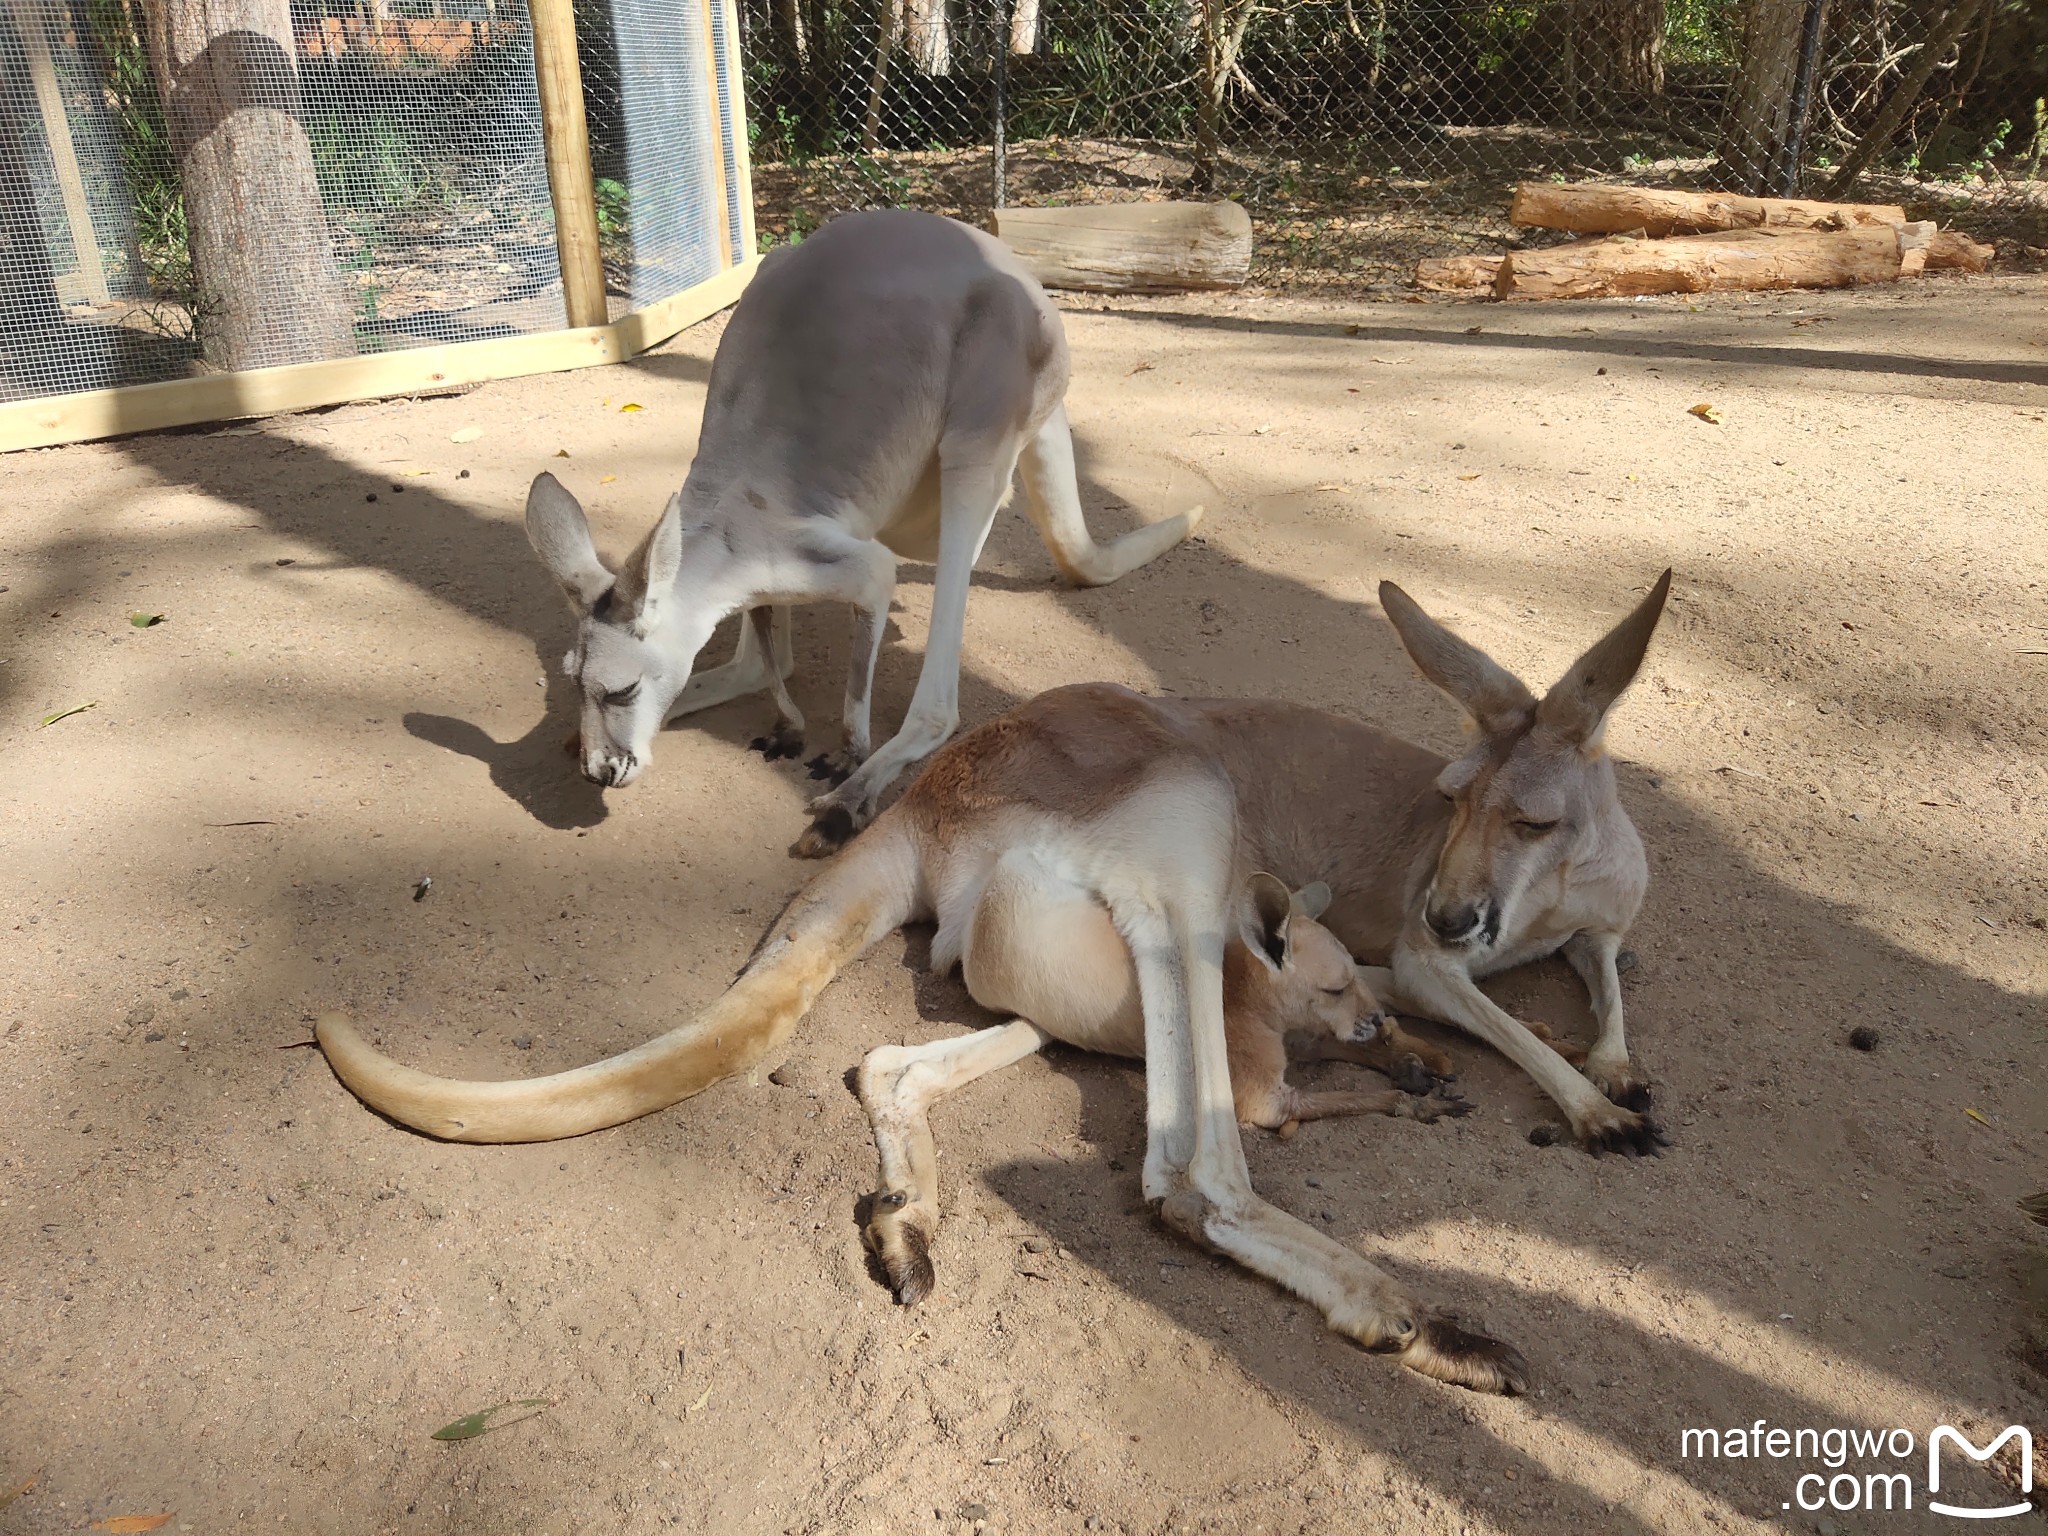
{"x": 1314, "y": 900}
{"x": 1264, "y": 924}
{"x": 649, "y": 578}
{"x": 1577, "y": 707}
{"x": 1491, "y": 694}
{"x": 560, "y": 535}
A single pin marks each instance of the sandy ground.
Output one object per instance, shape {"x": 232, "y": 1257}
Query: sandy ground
{"x": 232, "y": 1294}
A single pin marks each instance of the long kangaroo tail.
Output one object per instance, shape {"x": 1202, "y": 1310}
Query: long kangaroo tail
{"x": 866, "y": 893}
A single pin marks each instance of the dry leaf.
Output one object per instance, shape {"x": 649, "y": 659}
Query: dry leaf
{"x": 1705, "y": 412}
{"x": 466, "y": 435}
{"x": 1977, "y": 1115}
{"x": 61, "y": 714}
{"x": 606, "y": 479}
{"x": 122, "y": 1523}
{"x": 11, "y": 1494}
{"x": 561, "y": 453}
{"x": 1141, "y": 368}
{"x": 702, "y": 1399}
{"x": 1468, "y": 477}
{"x": 631, "y": 406}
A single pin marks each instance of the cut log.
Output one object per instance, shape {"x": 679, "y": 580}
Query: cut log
{"x": 1588, "y": 209}
{"x": 1466, "y": 274}
{"x": 1457, "y": 274}
{"x": 1132, "y": 247}
{"x": 1739, "y": 260}
{"x": 1953, "y": 248}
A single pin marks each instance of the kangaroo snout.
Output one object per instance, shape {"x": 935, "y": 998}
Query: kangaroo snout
{"x": 611, "y": 772}
{"x": 1463, "y": 922}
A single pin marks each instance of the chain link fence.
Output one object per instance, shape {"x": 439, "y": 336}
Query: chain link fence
{"x": 1364, "y": 134}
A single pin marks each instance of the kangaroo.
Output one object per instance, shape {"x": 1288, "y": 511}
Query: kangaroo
{"x": 874, "y": 393}
{"x": 1033, "y": 943}
{"x": 1440, "y": 872}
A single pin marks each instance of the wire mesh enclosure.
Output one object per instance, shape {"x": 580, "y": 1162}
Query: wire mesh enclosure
{"x": 1365, "y": 133}
{"x": 212, "y": 188}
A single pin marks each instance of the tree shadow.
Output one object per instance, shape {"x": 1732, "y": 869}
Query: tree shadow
{"x": 1725, "y": 1016}
{"x": 1489, "y": 339}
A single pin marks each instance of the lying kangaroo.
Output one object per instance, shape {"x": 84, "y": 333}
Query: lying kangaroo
{"x": 1451, "y": 870}
{"x": 876, "y": 389}
{"x": 1032, "y": 942}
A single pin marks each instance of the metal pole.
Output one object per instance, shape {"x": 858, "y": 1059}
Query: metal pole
{"x": 1001, "y": 72}
{"x": 566, "y": 138}
{"x": 1793, "y": 153}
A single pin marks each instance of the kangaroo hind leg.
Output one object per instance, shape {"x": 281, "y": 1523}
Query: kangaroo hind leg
{"x": 898, "y": 1086}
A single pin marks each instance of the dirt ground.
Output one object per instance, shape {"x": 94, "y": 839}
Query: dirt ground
{"x": 232, "y": 1294}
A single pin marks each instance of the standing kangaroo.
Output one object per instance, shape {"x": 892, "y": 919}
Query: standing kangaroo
{"x": 1153, "y": 810}
{"x": 871, "y": 399}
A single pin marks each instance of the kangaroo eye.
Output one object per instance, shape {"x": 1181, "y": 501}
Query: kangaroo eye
{"x": 1537, "y": 828}
{"x": 1334, "y": 991}
{"x": 623, "y": 696}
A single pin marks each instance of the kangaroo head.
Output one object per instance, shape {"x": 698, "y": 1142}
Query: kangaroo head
{"x": 1314, "y": 984}
{"x": 635, "y": 644}
{"x": 1535, "y": 794}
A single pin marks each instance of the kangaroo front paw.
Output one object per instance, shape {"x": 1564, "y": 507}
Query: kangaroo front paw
{"x": 1445, "y": 1348}
{"x": 1620, "y": 1083}
{"x": 831, "y": 829}
{"x": 1610, "y": 1128}
{"x": 1408, "y": 1074}
{"x": 833, "y": 768}
{"x": 1570, "y": 1050}
{"x": 1437, "y": 1106}
{"x": 784, "y": 741}
{"x": 899, "y": 1233}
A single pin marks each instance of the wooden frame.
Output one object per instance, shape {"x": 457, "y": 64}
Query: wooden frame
{"x": 565, "y": 136}
{"x": 103, "y": 413}
{"x": 742, "y": 160}
{"x": 714, "y": 76}
{"x": 88, "y": 283}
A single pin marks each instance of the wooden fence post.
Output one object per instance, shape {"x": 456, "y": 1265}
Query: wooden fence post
{"x": 566, "y": 137}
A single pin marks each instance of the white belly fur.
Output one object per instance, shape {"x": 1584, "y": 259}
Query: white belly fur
{"x": 1042, "y": 948}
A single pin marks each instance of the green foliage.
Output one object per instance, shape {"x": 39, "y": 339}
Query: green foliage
{"x": 147, "y": 162}
{"x": 378, "y": 160}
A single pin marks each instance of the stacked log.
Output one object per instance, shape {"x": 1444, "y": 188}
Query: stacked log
{"x": 1646, "y": 240}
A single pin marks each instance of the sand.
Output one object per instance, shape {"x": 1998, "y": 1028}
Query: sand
{"x": 232, "y": 1294}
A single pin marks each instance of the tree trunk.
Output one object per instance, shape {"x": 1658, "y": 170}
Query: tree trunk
{"x": 1759, "y": 121}
{"x": 878, "y": 83}
{"x": 928, "y": 38}
{"x": 789, "y": 26}
{"x": 1945, "y": 35}
{"x": 267, "y": 288}
{"x": 1024, "y": 27}
{"x": 1223, "y": 25}
{"x": 1618, "y": 46}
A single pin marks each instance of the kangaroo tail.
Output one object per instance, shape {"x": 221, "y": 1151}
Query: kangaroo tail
{"x": 867, "y": 892}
